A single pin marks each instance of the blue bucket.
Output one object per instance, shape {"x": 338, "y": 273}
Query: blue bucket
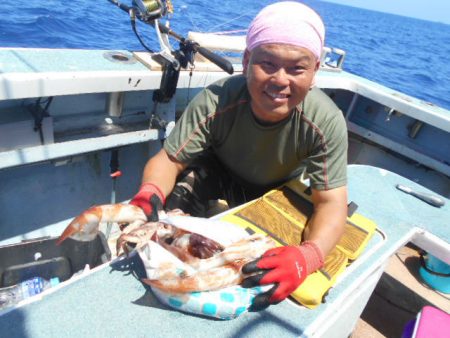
{"x": 435, "y": 273}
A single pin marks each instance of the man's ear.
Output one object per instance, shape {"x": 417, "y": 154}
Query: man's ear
{"x": 316, "y": 68}
{"x": 245, "y": 61}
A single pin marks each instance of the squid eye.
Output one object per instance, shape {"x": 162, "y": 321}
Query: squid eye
{"x": 169, "y": 240}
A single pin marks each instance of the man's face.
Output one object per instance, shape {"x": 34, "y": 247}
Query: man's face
{"x": 278, "y": 78}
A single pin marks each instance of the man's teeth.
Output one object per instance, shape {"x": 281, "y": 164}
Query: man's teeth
{"x": 277, "y": 96}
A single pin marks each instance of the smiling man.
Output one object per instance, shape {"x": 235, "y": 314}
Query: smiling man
{"x": 246, "y": 134}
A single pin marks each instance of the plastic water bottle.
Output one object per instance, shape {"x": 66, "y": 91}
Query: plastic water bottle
{"x": 12, "y": 295}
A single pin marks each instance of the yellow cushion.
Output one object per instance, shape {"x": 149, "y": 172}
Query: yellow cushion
{"x": 283, "y": 214}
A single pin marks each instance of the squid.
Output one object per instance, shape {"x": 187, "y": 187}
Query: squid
{"x": 177, "y": 260}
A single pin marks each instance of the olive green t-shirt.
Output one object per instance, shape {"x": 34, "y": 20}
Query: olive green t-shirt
{"x": 220, "y": 119}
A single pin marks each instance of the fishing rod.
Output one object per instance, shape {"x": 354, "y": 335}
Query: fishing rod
{"x": 149, "y": 12}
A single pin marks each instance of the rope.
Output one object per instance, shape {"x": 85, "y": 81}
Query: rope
{"x": 185, "y": 9}
{"x": 229, "y": 32}
{"x": 227, "y": 22}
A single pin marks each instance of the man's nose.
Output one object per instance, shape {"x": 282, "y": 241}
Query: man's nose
{"x": 280, "y": 77}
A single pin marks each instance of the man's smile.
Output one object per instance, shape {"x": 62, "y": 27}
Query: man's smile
{"x": 276, "y": 96}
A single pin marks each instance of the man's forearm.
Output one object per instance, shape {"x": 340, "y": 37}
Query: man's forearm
{"x": 327, "y": 223}
{"x": 162, "y": 171}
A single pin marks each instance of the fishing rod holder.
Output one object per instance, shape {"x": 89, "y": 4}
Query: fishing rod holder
{"x": 149, "y": 12}
{"x": 114, "y": 104}
{"x": 167, "y": 57}
{"x": 143, "y": 10}
{"x": 332, "y": 58}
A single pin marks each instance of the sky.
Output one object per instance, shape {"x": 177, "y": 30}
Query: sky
{"x": 431, "y": 10}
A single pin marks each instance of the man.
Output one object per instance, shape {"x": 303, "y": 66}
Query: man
{"x": 249, "y": 133}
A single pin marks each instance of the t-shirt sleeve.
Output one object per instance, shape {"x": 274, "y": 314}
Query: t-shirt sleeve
{"x": 327, "y": 164}
{"x": 191, "y": 134}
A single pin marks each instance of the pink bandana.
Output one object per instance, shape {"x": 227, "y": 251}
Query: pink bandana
{"x": 287, "y": 22}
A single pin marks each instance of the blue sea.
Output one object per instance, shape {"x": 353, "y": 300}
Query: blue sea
{"x": 405, "y": 54}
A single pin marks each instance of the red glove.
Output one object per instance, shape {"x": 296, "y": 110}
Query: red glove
{"x": 149, "y": 198}
{"x": 286, "y": 267}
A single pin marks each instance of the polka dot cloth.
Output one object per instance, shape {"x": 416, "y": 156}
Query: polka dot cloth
{"x": 227, "y": 303}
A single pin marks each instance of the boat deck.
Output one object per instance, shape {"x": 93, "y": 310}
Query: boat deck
{"x": 111, "y": 301}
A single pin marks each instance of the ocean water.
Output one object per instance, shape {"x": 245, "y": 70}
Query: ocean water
{"x": 405, "y": 54}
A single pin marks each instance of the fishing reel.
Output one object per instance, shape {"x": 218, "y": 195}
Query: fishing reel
{"x": 150, "y": 10}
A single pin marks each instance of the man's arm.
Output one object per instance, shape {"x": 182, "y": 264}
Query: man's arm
{"x": 162, "y": 170}
{"x": 327, "y": 222}
{"x": 160, "y": 174}
{"x": 287, "y": 267}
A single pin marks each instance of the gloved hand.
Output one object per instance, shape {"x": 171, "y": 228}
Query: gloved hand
{"x": 150, "y": 199}
{"x": 286, "y": 267}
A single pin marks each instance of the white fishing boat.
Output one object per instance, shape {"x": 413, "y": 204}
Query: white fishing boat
{"x": 71, "y": 120}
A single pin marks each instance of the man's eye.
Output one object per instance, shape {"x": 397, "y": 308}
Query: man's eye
{"x": 298, "y": 68}
{"x": 267, "y": 65}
